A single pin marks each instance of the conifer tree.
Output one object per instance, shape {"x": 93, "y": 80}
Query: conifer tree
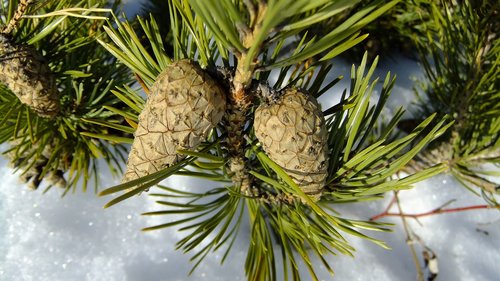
{"x": 280, "y": 160}
{"x": 231, "y": 99}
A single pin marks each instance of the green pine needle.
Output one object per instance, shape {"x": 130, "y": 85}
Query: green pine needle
{"x": 65, "y": 33}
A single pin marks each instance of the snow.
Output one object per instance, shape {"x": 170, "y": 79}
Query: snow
{"x": 465, "y": 243}
{"x": 45, "y": 237}
{"x": 132, "y": 7}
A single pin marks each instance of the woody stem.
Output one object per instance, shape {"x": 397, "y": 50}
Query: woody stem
{"x": 434, "y": 212}
{"x": 21, "y": 9}
{"x": 240, "y": 102}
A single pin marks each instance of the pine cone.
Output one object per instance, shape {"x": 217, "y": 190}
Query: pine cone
{"x": 28, "y": 76}
{"x": 32, "y": 164}
{"x": 184, "y": 105}
{"x": 293, "y": 133}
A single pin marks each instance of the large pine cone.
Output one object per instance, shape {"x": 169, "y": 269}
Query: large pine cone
{"x": 184, "y": 105}
{"x": 27, "y": 75}
{"x": 293, "y": 133}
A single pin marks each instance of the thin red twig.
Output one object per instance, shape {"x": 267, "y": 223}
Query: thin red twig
{"x": 386, "y": 210}
{"x": 434, "y": 212}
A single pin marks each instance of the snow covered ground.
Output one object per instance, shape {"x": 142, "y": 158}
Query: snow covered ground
{"x": 48, "y": 238}
{"x": 45, "y": 237}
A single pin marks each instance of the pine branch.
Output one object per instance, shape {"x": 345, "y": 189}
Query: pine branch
{"x": 249, "y": 38}
{"x": 460, "y": 59}
{"x": 60, "y": 150}
{"x": 229, "y": 48}
{"x": 21, "y": 9}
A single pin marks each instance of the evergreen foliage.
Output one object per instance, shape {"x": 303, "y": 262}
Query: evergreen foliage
{"x": 256, "y": 50}
{"x": 460, "y": 54}
{"x": 249, "y": 39}
{"x": 64, "y": 33}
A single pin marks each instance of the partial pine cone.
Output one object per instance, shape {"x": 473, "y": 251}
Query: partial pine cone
{"x": 293, "y": 133}
{"x": 183, "y": 106}
{"x": 26, "y": 73}
{"x": 32, "y": 167}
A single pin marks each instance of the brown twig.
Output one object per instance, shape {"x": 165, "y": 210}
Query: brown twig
{"x": 241, "y": 100}
{"x": 410, "y": 240}
{"x": 434, "y": 212}
{"x": 431, "y": 261}
{"x": 386, "y": 210}
{"x": 21, "y": 9}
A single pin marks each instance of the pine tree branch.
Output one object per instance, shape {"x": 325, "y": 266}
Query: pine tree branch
{"x": 84, "y": 74}
{"x": 21, "y": 9}
{"x": 361, "y": 165}
{"x": 460, "y": 55}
